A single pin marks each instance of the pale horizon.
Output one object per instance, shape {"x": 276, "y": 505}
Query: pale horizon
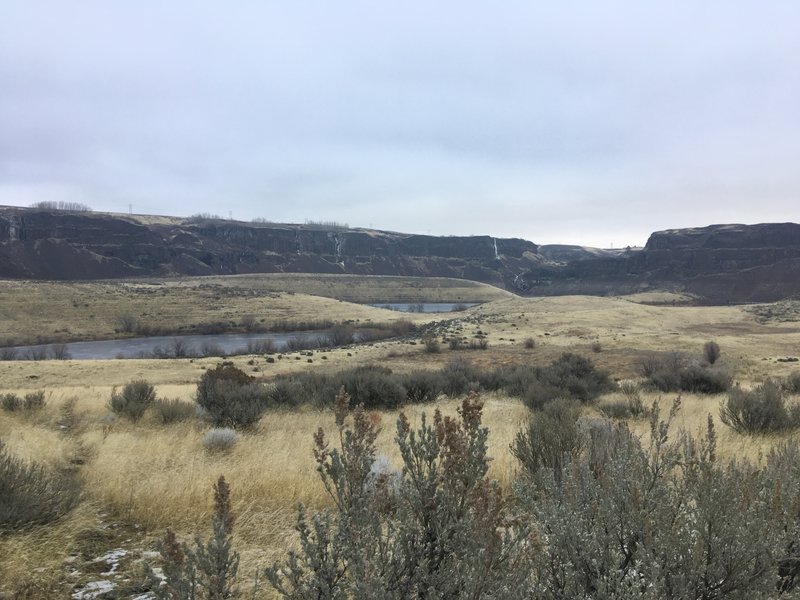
{"x": 583, "y": 124}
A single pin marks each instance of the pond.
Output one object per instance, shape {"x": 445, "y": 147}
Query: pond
{"x": 426, "y": 307}
{"x": 162, "y": 346}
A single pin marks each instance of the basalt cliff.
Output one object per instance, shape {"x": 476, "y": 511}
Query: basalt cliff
{"x": 718, "y": 264}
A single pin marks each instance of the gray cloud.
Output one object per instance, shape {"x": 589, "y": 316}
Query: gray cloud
{"x": 586, "y": 122}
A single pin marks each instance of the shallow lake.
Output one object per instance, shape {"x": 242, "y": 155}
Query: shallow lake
{"x": 426, "y": 307}
{"x": 215, "y": 345}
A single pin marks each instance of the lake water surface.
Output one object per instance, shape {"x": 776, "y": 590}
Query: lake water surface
{"x": 425, "y": 307}
{"x": 213, "y": 344}
{"x": 225, "y": 343}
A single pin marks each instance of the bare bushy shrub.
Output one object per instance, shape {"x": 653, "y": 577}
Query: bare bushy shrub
{"x": 529, "y": 343}
{"x": 60, "y": 352}
{"x": 220, "y": 439}
{"x": 10, "y": 402}
{"x": 31, "y": 494}
{"x": 340, "y": 335}
{"x": 422, "y": 386}
{"x": 61, "y": 205}
{"x": 673, "y": 372}
{"x": 126, "y": 323}
{"x": 37, "y": 353}
{"x": 459, "y": 377}
{"x": 8, "y": 353}
{"x": 135, "y": 398}
{"x": 757, "y": 411}
{"x": 539, "y": 393}
{"x": 34, "y": 401}
{"x": 211, "y": 349}
{"x": 180, "y": 348}
{"x": 711, "y": 352}
{"x": 262, "y": 346}
{"x": 431, "y": 344}
{"x": 249, "y": 322}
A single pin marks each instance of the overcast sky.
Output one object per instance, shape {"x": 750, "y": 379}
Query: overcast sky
{"x": 589, "y": 122}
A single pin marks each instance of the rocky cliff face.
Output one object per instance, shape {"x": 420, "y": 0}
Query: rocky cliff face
{"x": 57, "y": 245}
{"x": 719, "y": 263}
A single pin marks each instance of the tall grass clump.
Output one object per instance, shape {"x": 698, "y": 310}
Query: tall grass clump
{"x": 31, "y": 494}
{"x": 134, "y": 399}
{"x": 630, "y": 406}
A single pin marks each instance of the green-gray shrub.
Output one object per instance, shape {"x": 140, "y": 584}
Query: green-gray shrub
{"x": 792, "y": 383}
{"x": 135, "y": 398}
{"x": 220, "y": 439}
{"x": 431, "y": 344}
{"x": 231, "y": 404}
{"x": 372, "y": 387}
{"x": 31, "y": 402}
{"x": 422, "y": 386}
{"x": 711, "y": 352}
{"x": 630, "y": 406}
{"x": 666, "y": 520}
{"x": 205, "y": 571}
{"x": 231, "y": 398}
{"x": 438, "y": 529}
{"x": 760, "y": 410}
{"x": 550, "y": 438}
{"x": 10, "y": 402}
{"x": 459, "y": 377}
{"x": 173, "y": 410}
{"x": 673, "y": 372}
{"x": 32, "y": 494}
{"x": 34, "y": 401}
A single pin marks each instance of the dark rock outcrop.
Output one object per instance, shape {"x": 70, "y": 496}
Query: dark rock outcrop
{"x": 41, "y": 244}
{"x": 719, "y": 263}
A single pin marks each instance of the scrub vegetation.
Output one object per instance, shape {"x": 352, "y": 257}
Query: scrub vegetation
{"x": 657, "y": 467}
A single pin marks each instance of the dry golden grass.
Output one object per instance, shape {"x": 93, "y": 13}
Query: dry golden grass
{"x": 151, "y": 476}
{"x": 30, "y": 310}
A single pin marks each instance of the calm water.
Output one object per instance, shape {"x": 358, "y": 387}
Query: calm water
{"x": 425, "y": 307}
{"x": 226, "y": 343}
{"x": 215, "y": 345}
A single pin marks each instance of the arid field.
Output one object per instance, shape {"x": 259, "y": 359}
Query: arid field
{"x": 140, "y": 478}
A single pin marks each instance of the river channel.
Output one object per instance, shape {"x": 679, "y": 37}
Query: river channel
{"x": 205, "y": 345}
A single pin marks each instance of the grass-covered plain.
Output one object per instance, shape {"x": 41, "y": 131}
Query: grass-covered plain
{"x": 139, "y": 478}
